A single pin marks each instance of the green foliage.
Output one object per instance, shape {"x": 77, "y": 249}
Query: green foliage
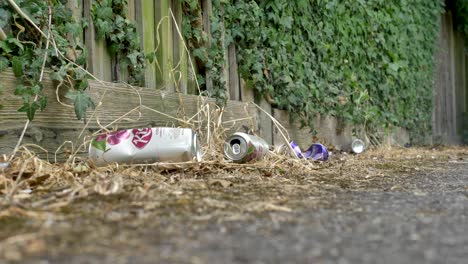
{"x": 460, "y": 8}
{"x": 109, "y": 17}
{"x": 369, "y": 62}
{"x": 216, "y": 59}
{"x": 208, "y": 55}
{"x": 24, "y": 50}
{"x": 192, "y": 31}
{"x": 81, "y": 101}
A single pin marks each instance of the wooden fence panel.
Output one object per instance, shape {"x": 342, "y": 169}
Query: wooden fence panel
{"x": 57, "y": 124}
{"x": 180, "y": 57}
{"x": 234, "y": 88}
{"x": 148, "y": 29}
{"x": 99, "y": 60}
{"x": 164, "y": 45}
{"x": 460, "y": 79}
{"x": 450, "y": 84}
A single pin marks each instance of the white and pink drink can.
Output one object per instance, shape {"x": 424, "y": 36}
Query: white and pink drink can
{"x": 145, "y": 145}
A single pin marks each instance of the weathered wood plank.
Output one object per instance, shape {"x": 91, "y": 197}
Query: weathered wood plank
{"x": 246, "y": 93}
{"x": 122, "y": 74}
{"x": 234, "y": 89}
{"x": 466, "y": 83}
{"x": 225, "y": 67}
{"x": 99, "y": 60}
{"x": 460, "y": 79}
{"x": 180, "y": 55}
{"x": 76, "y": 7}
{"x": 149, "y": 36}
{"x": 165, "y": 49}
{"x": 57, "y": 123}
{"x": 192, "y": 87}
{"x": 265, "y": 124}
{"x": 451, "y": 91}
{"x": 207, "y": 10}
{"x": 443, "y": 83}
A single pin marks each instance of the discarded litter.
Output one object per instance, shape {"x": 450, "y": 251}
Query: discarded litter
{"x": 4, "y": 165}
{"x": 358, "y": 146}
{"x": 241, "y": 147}
{"x": 145, "y": 145}
{"x": 316, "y": 151}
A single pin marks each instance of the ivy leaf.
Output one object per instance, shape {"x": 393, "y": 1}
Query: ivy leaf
{"x": 133, "y": 57}
{"x": 394, "y": 66}
{"x": 83, "y": 84}
{"x": 103, "y": 27}
{"x": 36, "y": 89}
{"x": 17, "y": 64}
{"x": 16, "y": 42}
{"x": 56, "y": 76}
{"x": 6, "y": 48}
{"x": 200, "y": 53}
{"x": 30, "y": 109}
{"x": 4, "y": 17}
{"x": 73, "y": 28}
{"x": 104, "y": 13}
{"x": 43, "y": 103}
{"x": 21, "y": 90}
{"x": 81, "y": 101}
{"x": 150, "y": 56}
{"x": 3, "y": 63}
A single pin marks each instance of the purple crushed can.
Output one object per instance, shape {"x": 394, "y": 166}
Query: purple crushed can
{"x": 316, "y": 151}
{"x": 145, "y": 145}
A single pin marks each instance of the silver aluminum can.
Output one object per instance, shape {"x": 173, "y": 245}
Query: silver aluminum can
{"x": 241, "y": 147}
{"x": 358, "y": 146}
{"x": 145, "y": 145}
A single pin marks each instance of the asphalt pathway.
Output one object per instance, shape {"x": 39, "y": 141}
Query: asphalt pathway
{"x": 422, "y": 219}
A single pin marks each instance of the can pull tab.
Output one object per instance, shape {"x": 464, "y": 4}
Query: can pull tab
{"x": 236, "y": 149}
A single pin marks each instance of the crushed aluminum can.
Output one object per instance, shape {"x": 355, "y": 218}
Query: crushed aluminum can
{"x": 241, "y": 147}
{"x": 145, "y": 145}
{"x": 358, "y": 146}
{"x": 316, "y": 151}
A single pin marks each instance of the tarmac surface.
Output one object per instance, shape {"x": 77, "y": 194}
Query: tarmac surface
{"x": 421, "y": 218}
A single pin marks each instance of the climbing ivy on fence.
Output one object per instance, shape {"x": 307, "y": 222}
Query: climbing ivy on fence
{"x": 111, "y": 23}
{"x": 460, "y": 8}
{"x": 209, "y": 55}
{"x": 24, "y": 50}
{"x": 365, "y": 61}
{"x": 368, "y": 62}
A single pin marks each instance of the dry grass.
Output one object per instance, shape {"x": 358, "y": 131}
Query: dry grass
{"x": 36, "y": 183}
{"x": 73, "y": 203}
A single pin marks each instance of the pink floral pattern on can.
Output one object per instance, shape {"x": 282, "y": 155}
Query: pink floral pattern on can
{"x": 115, "y": 138}
{"x": 141, "y": 137}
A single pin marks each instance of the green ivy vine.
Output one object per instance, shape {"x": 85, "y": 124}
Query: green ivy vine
{"x": 111, "y": 23}
{"x": 24, "y": 50}
{"x": 196, "y": 38}
{"x": 368, "y": 62}
{"x": 209, "y": 56}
